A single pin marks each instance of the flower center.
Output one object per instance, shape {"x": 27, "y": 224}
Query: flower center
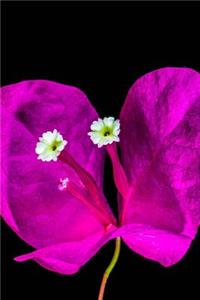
{"x": 55, "y": 145}
{"x": 106, "y": 133}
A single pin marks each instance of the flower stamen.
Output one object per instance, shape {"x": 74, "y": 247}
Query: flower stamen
{"x": 63, "y": 184}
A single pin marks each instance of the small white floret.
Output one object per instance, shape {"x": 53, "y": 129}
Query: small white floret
{"x": 50, "y": 146}
{"x": 104, "y": 131}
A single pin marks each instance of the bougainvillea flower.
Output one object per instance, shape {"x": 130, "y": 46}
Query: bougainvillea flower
{"x": 58, "y": 207}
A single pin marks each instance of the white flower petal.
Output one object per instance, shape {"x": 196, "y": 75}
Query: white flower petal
{"x": 108, "y": 121}
{"x": 48, "y": 137}
{"x": 116, "y": 132}
{"x": 40, "y": 147}
{"x": 55, "y": 133}
{"x": 95, "y": 137}
{"x": 116, "y": 125}
{"x": 116, "y": 139}
{"x": 97, "y": 125}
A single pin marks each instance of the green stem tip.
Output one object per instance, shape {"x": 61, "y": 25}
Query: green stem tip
{"x": 110, "y": 268}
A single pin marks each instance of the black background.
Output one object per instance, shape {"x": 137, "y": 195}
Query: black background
{"x": 102, "y": 48}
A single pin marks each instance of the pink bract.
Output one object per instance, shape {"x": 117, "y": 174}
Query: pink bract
{"x": 160, "y": 148}
{"x": 64, "y": 230}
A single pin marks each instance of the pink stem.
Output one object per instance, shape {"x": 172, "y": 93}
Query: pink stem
{"x": 120, "y": 178}
{"x": 85, "y": 177}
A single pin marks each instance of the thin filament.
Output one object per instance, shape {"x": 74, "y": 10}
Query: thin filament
{"x": 85, "y": 177}
{"x": 90, "y": 186}
{"x": 80, "y": 194}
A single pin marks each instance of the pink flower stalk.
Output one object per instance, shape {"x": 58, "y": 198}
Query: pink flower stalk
{"x": 59, "y": 208}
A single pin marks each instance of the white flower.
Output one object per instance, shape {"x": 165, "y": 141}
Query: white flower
{"x": 104, "y": 131}
{"x": 50, "y": 146}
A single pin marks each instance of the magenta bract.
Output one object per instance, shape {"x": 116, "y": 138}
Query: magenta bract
{"x": 32, "y": 204}
{"x": 160, "y": 146}
{"x": 158, "y": 179}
